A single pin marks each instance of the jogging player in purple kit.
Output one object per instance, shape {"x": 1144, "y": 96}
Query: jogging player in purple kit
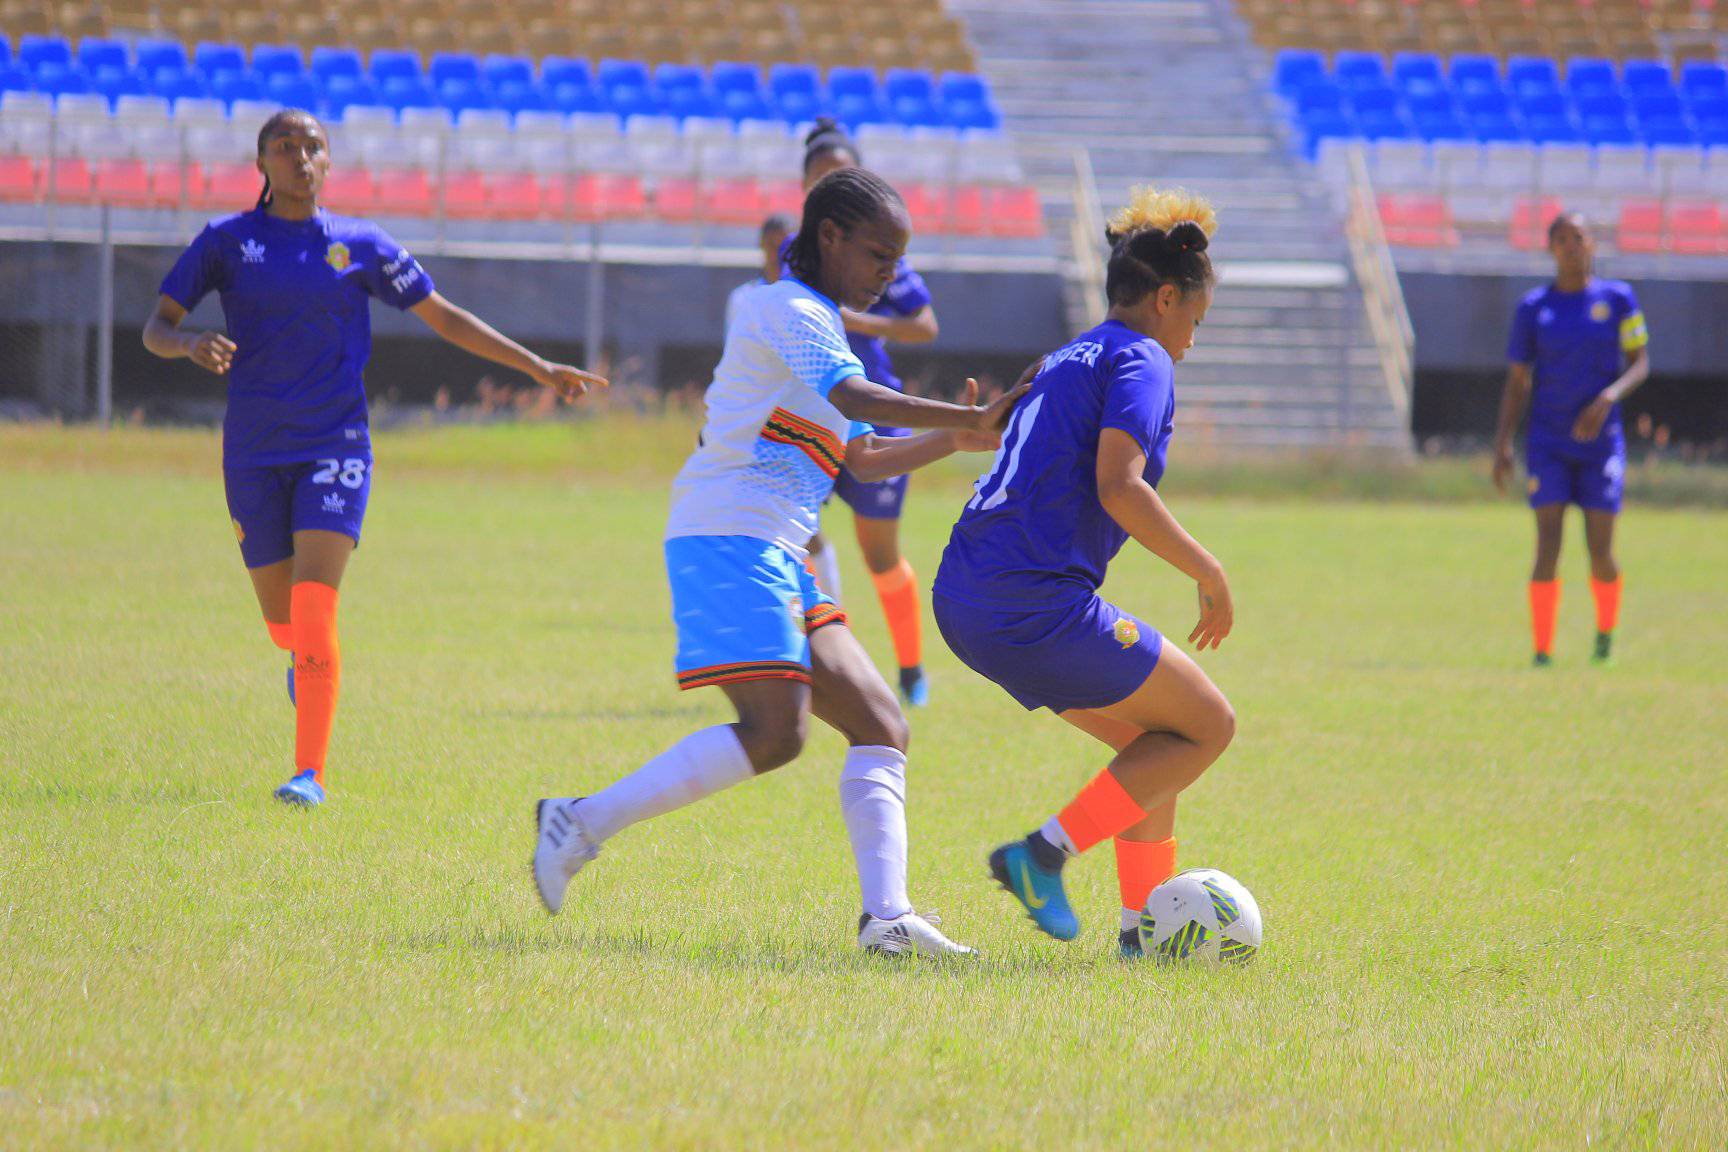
{"x": 1016, "y": 596}
{"x": 1578, "y": 348}
{"x": 295, "y": 284}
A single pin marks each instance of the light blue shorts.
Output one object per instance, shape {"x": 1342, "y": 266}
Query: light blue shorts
{"x": 744, "y": 609}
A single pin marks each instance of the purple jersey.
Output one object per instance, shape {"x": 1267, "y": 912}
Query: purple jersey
{"x": 907, "y": 295}
{"x": 1574, "y": 343}
{"x": 295, "y": 295}
{"x": 1034, "y": 528}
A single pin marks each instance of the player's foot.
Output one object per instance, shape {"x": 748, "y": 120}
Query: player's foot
{"x": 1037, "y": 884}
{"x": 915, "y": 686}
{"x": 908, "y": 935}
{"x": 302, "y": 791}
{"x": 1604, "y": 653}
{"x": 1128, "y": 944}
{"x": 291, "y": 699}
{"x": 1543, "y": 660}
{"x": 561, "y": 849}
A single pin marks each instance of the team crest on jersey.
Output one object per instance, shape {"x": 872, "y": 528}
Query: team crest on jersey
{"x": 251, "y": 252}
{"x": 337, "y": 256}
{"x": 1600, "y": 311}
{"x": 239, "y": 532}
{"x": 1127, "y": 632}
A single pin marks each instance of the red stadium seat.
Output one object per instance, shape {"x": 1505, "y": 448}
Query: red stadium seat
{"x": 621, "y": 197}
{"x": 173, "y": 183}
{"x": 785, "y": 197}
{"x": 1695, "y": 228}
{"x": 1418, "y": 221}
{"x": 1640, "y": 226}
{"x": 967, "y": 215}
{"x": 351, "y": 191}
{"x": 928, "y": 206}
{"x": 405, "y": 192}
{"x": 1016, "y": 214}
{"x": 124, "y": 184}
{"x": 465, "y": 196}
{"x": 17, "y": 178}
{"x": 733, "y": 202}
{"x": 1530, "y": 219}
{"x": 71, "y": 182}
{"x": 676, "y": 200}
{"x": 513, "y": 195}
{"x": 228, "y": 187}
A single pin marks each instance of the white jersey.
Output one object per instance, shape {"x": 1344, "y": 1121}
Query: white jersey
{"x": 771, "y": 445}
{"x": 738, "y": 294}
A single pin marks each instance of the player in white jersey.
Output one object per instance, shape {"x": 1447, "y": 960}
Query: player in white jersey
{"x": 788, "y": 405}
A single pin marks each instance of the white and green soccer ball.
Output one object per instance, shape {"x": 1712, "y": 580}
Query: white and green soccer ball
{"x": 1201, "y": 915}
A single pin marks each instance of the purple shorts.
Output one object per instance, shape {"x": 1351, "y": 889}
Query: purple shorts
{"x": 879, "y": 500}
{"x": 269, "y": 504}
{"x": 1581, "y": 474}
{"x": 1057, "y": 655}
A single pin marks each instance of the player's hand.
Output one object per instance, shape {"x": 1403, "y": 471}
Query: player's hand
{"x": 1502, "y": 468}
{"x": 570, "y": 383}
{"x": 993, "y": 418}
{"x": 1588, "y": 426}
{"x": 1217, "y": 613}
{"x": 213, "y": 352}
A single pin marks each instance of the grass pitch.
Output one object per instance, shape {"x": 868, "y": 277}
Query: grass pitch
{"x": 1493, "y": 896}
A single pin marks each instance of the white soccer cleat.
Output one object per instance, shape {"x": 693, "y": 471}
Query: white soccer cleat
{"x": 908, "y": 935}
{"x": 561, "y": 849}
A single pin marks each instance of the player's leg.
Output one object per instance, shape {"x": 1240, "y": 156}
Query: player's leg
{"x": 825, "y": 562}
{"x": 1185, "y": 724}
{"x": 260, "y": 506}
{"x": 1605, "y": 577}
{"x": 1545, "y": 579}
{"x": 878, "y": 532}
{"x": 1145, "y": 853}
{"x": 319, "y": 563}
{"x": 850, "y": 696}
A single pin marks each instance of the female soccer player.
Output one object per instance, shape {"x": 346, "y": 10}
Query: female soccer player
{"x": 785, "y": 410}
{"x": 903, "y": 314}
{"x": 1578, "y": 348}
{"x": 1016, "y": 596}
{"x": 296, "y": 454}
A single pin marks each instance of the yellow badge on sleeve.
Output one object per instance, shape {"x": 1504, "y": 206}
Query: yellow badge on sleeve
{"x": 1633, "y": 334}
{"x": 1127, "y": 632}
{"x": 337, "y": 256}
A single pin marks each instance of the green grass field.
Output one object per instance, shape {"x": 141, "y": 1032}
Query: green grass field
{"x": 1494, "y": 898}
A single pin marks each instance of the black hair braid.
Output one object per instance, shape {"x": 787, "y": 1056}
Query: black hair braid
{"x": 1144, "y": 260}
{"x": 826, "y": 138}
{"x": 847, "y": 196}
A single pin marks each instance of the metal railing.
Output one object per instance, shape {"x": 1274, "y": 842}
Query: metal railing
{"x": 1382, "y": 296}
{"x": 1084, "y": 232}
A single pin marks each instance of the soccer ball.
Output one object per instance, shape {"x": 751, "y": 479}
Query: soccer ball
{"x": 1201, "y": 914}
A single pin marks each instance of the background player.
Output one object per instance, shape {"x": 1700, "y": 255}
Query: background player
{"x": 1578, "y": 348}
{"x": 296, "y": 451}
{"x": 785, "y": 408}
{"x": 1017, "y": 597}
{"x": 903, "y": 314}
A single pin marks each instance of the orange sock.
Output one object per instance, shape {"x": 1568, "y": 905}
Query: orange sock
{"x": 1607, "y": 593}
{"x": 1142, "y": 865}
{"x": 1544, "y": 607}
{"x": 898, "y": 591}
{"x": 1102, "y": 809}
{"x": 317, "y": 673}
{"x": 282, "y": 635}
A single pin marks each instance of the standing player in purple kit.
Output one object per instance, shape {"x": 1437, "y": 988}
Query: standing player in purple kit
{"x": 295, "y": 283}
{"x": 904, "y": 314}
{"x": 1578, "y": 348}
{"x": 1017, "y": 597}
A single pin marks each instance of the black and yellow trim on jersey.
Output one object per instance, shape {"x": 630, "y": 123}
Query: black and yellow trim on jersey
{"x": 818, "y": 443}
{"x": 823, "y": 615}
{"x": 745, "y": 670}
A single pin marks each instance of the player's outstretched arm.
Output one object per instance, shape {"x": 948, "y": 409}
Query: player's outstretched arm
{"x": 1513, "y": 401}
{"x": 1137, "y": 507}
{"x": 472, "y": 334}
{"x": 918, "y": 328}
{"x": 859, "y": 399}
{"x": 211, "y": 351}
{"x": 875, "y": 458}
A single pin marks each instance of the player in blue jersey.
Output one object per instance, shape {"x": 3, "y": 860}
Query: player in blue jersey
{"x": 1016, "y": 596}
{"x": 1578, "y": 348}
{"x": 903, "y": 314}
{"x": 786, "y": 409}
{"x": 295, "y": 282}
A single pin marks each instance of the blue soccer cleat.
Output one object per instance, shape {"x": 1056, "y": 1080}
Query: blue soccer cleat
{"x": 1037, "y": 888}
{"x": 303, "y": 791}
{"x": 1128, "y": 944}
{"x": 291, "y": 699}
{"x": 915, "y": 686}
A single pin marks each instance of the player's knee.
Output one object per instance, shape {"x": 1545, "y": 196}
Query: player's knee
{"x": 892, "y": 730}
{"x": 1222, "y": 726}
{"x": 774, "y": 740}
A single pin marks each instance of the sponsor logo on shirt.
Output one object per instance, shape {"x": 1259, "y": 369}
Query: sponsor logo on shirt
{"x": 337, "y": 256}
{"x": 1600, "y": 311}
{"x": 1127, "y": 632}
{"x": 252, "y": 252}
{"x": 334, "y": 503}
{"x": 401, "y": 270}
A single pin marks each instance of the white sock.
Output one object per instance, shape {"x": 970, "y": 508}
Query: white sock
{"x": 699, "y": 765}
{"x": 827, "y": 565}
{"x": 873, "y": 801}
{"x": 1058, "y": 835}
{"x": 1130, "y": 919}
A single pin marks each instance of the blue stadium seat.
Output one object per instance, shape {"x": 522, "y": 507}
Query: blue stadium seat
{"x": 739, "y": 105}
{"x": 463, "y": 95}
{"x": 1296, "y": 68}
{"x": 796, "y": 91}
{"x": 1489, "y": 128}
{"x": 973, "y": 114}
{"x": 1591, "y": 74}
{"x": 176, "y": 84}
{"x": 1641, "y": 76}
{"x": 514, "y": 96}
{"x": 1322, "y": 98}
{"x": 1532, "y": 74}
{"x": 401, "y": 92}
{"x": 449, "y": 67}
{"x": 625, "y": 98}
{"x": 964, "y": 86}
{"x": 851, "y": 83}
{"x": 1713, "y": 134}
{"x": 1359, "y": 69}
{"x": 623, "y": 74}
{"x": 1486, "y": 102}
{"x": 388, "y": 64}
{"x": 1701, "y": 76}
{"x": 570, "y": 96}
{"x": 345, "y": 90}
{"x": 57, "y": 80}
{"x": 329, "y": 63}
{"x": 1552, "y": 130}
{"x": 1658, "y": 104}
{"x": 277, "y": 60}
{"x": 729, "y": 76}
{"x": 1432, "y": 126}
{"x": 1430, "y": 102}
{"x": 1668, "y": 130}
{"x": 1708, "y": 106}
{"x": 1374, "y": 99}
{"x": 117, "y": 82}
{"x": 5, "y": 53}
{"x": 1474, "y": 72}
{"x": 557, "y": 70}
{"x": 38, "y": 52}
{"x": 917, "y": 112}
{"x": 15, "y": 77}
{"x": 1600, "y": 130}
{"x": 909, "y": 84}
{"x": 292, "y": 90}
{"x": 499, "y": 71}
{"x": 856, "y": 111}
{"x": 1384, "y": 126}
{"x": 670, "y": 78}
{"x": 690, "y": 103}
{"x": 211, "y": 58}
{"x": 152, "y": 56}
{"x": 95, "y": 54}
{"x": 231, "y": 86}
{"x": 1417, "y": 71}
{"x": 1325, "y": 126}
{"x": 1607, "y": 104}
{"x": 1544, "y": 103}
